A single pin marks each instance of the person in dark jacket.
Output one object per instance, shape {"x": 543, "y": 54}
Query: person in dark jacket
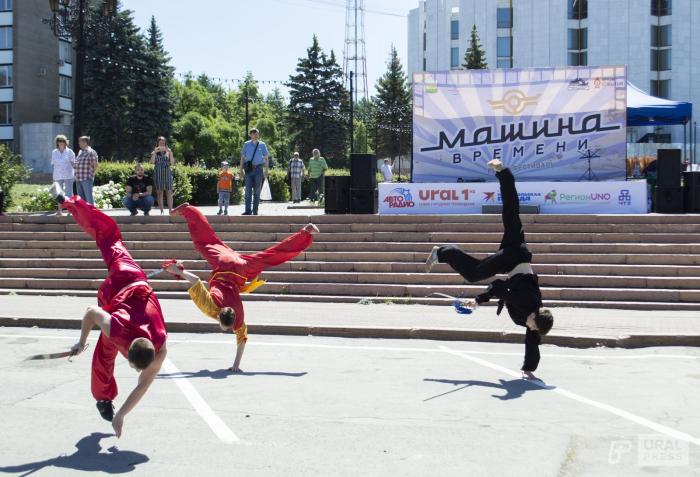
{"x": 520, "y": 292}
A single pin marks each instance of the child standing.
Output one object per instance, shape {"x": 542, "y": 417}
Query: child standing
{"x": 224, "y": 186}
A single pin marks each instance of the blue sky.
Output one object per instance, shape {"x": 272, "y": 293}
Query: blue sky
{"x": 226, "y": 38}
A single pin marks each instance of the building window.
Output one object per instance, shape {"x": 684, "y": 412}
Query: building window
{"x": 65, "y": 51}
{"x": 65, "y": 87}
{"x": 660, "y": 88}
{"x": 661, "y": 35}
{"x": 5, "y": 113}
{"x": 661, "y": 60}
{"x": 5, "y": 76}
{"x": 578, "y": 9}
{"x": 425, "y": 65}
{"x": 425, "y": 40}
{"x": 578, "y": 58}
{"x": 578, "y": 38}
{"x": 504, "y": 47}
{"x": 504, "y": 63}
{"x": 661, "y": 8}
{"x": 454, "y": 30}
{"x": 504, "y": 17}
{"x": 6, "y": 38}
{"x": 454, "y": 57}
{"x": 5, "y": 5}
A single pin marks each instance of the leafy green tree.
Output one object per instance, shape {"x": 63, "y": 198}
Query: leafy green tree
{"x": 475, "y": 57}
{"x": 393, "y": 110}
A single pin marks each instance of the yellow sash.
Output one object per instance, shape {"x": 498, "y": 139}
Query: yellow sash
{"x": 248, "y": 287}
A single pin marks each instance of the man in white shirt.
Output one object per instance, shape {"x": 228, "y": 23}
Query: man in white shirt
{"x": 387, "y": 173}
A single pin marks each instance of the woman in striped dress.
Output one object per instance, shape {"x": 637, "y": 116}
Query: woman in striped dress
{"x": 164, "y": 161}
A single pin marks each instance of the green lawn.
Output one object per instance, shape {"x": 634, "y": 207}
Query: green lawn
{"x": 21, "y": 193}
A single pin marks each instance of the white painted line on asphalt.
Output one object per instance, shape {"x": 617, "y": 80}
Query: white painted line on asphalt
{"x": 221, "y": 430}
{"x": 576, "y": 397}
{"x": 398, "y": 348}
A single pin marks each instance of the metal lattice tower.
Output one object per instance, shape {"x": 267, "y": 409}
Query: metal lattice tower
{"x": 355, "y": 55}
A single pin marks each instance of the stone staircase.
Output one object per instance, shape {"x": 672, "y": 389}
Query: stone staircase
{"x": 633, "y": 262}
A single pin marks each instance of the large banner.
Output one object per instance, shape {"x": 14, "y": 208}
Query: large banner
{"x": 564, "y": 124}
{"x": 610, "y": 197}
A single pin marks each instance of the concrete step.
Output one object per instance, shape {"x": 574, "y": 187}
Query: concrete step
{"x": 372, "y": 267}
{"x": 383, "y": 278}
{"x": 396, "y": 290}
{"x": 262, "y": 296}
{"x": 378, "y": 257}
{"x": 294, "y": 225}
{"x": 176, "y": 246}
{"x": 371, "y": 237}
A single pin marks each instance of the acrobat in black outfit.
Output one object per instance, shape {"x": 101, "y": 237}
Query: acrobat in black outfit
{"x": 520, "y": 292}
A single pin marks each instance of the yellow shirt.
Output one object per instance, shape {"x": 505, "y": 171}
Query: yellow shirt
{"x": 202, "y": 298}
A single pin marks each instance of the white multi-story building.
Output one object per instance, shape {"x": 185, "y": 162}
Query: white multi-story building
{"x": 656, "y": 39}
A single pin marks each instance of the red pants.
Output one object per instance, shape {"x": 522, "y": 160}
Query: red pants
{"x": 122, "y": 271}
{"x": 222, "y": 259}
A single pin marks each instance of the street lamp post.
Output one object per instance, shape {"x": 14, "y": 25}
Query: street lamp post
{"x": 69, "y": 21}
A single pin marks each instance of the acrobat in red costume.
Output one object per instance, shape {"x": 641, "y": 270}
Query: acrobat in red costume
{"x": 129, "y": 315}
{"x": 230, "y": 271}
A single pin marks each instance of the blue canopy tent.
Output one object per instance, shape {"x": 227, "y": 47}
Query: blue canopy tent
{"x": 646, "y": 110}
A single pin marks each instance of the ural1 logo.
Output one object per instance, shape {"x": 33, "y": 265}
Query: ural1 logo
{"x": 551, "y": 197}
{"x": 489, "y": 196}
{"x": 399, "y": 198}
{"x": 624, "y": 198}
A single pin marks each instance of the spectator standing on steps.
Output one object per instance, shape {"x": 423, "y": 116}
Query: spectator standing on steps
{"x": 254, "y": 168}
{"x": 296, "y": 171}
{"x": 316, "y": 173}
{"x": 85, "y": 168}
{"x": 224, "y": 186}
{"x": 62, "y": 160}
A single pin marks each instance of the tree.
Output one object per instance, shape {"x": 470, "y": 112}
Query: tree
{"x": 127, "y": 99}
{"x": 152, "y": 94}
{"x": 393, "y": 110}
{"x": 318, "y": 105}
{"x": 475, "y": 57}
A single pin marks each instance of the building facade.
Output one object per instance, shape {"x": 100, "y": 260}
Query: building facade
{"x": 36, "y": 82}
{"x": 654, "y": 38}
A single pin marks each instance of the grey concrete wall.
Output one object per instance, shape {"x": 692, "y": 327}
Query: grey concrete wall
{"x": 37, "y": 142}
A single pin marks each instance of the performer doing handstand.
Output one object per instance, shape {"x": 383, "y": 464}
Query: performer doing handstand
{"x": 230, "y": 271}
{"x": 129, "y": 315}
{"x": 520, "y": 292}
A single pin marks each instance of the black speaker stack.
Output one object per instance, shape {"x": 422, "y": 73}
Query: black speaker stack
{"x": 691, "y": 191}
{"x": 337, "y": 190}
{"x": 668, "y": 194}
{"x": 363, "y": 184}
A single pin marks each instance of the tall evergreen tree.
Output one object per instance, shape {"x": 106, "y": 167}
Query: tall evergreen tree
{"x": 110, "y": 76}
{"x": 475, "y": 57}
{"x": 393, "y": 110}
{"x": 318, "y": 105}
{"x": 152, "y": 94}
{"x": 127, "y": 90}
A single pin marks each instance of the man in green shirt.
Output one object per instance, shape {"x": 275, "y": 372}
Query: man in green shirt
{"x": 316, "y": 172}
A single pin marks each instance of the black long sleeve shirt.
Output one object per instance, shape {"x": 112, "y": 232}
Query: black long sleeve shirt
{"x": 521, "y": 295}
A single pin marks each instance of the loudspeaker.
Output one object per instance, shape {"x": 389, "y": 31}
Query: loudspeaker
{"x": 337, "y": 198}
{"x": 668, "y": 168}
{"x": 363, "y": 201}
{"x": 668, "y": 199}
{"x": 363, "y": 171}
{"x": 691, "y": 191}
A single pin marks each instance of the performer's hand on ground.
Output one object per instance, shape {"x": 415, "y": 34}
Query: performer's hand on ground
{"x": 118, "y": 423}
{"x": 495, "y": 164}
{"x": 528, "y": 375}
{"x": 235, "y": 369}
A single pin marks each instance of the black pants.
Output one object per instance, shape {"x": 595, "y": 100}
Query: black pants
{"x": 513, "y": 250}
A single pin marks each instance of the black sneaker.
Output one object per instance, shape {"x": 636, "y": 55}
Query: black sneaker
{"x": 219, "y": 212}
{"x": 146, "y": 212}
{"x": 57, "y": 193}
{"x": 106, "y": 409}
{"x": 133, "y": 212}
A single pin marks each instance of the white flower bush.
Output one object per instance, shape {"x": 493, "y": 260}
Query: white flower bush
{"x": 108, "y": 196}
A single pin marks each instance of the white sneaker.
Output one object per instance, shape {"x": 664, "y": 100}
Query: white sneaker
{"x": 311, "y": 228}
{"x": 432, "y": 259}
{"x": 495, "y": 164}
{"x": 56, "y": 192}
